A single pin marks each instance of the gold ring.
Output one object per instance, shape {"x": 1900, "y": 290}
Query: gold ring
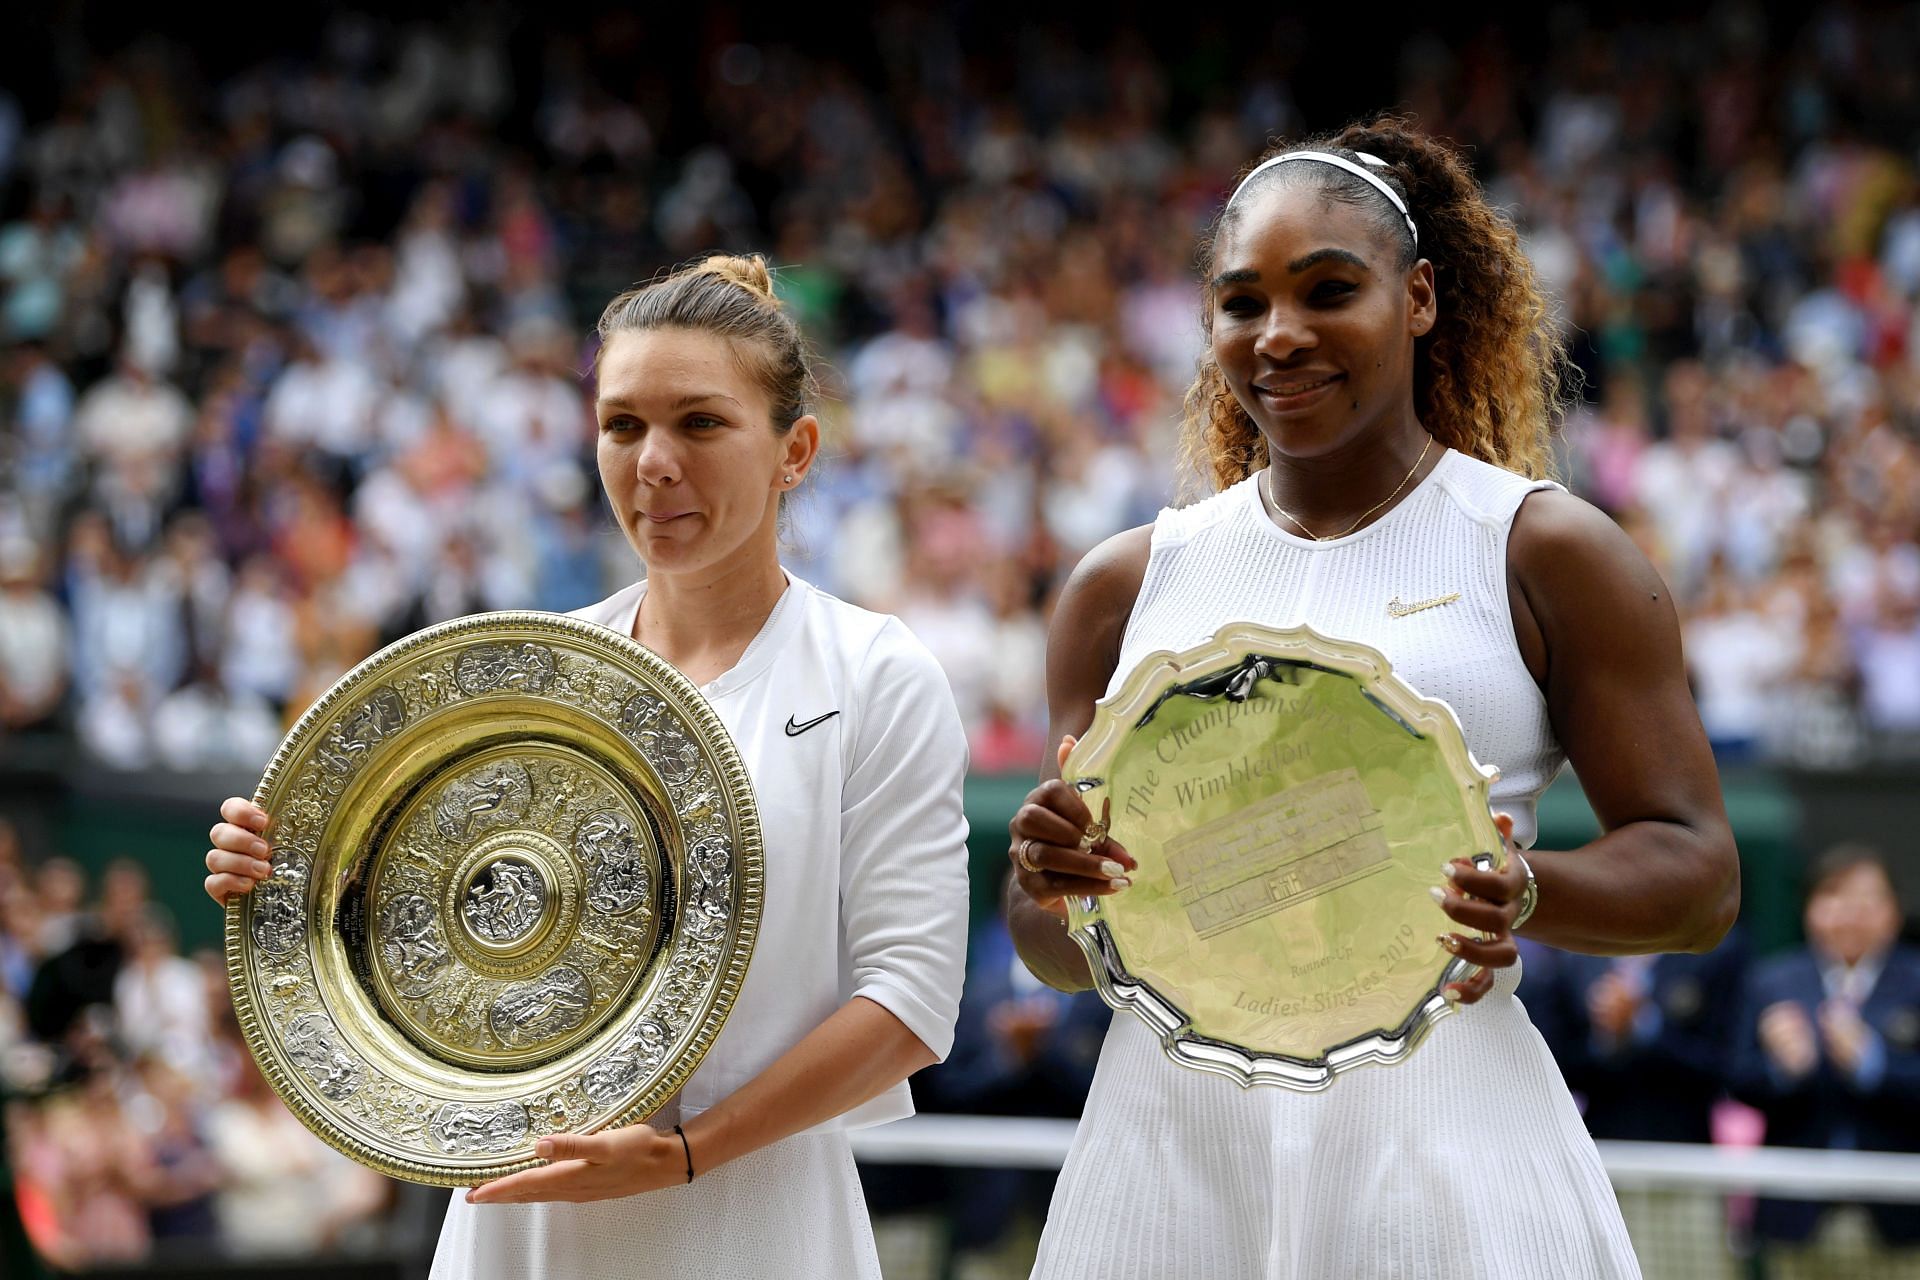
{"x": 1021, "y": 856}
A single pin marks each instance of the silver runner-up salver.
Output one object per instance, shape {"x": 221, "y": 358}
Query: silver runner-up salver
{"x": 1291, "y": 803}
{"x": 516, "y": 881}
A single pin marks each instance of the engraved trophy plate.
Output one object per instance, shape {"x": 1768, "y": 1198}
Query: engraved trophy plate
{"x": 1290, "y": 802}
{"x": 516, "y": 881}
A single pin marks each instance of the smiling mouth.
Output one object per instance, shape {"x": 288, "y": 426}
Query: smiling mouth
{"x": 1295, "y": 389}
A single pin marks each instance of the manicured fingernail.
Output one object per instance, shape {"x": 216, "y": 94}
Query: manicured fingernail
{"x": 543, "y": 1149}
{"x": 1439, "y": 894}
{"x": 259, "y": 849}
{"x": 1452, "y": 995}
{"x": 1119, "y": 882}
{"x": 1449, "y": 871}
{"x": 470, "y": 1199}
{"x": 1112, "y": 869}
{"x": 261, "y": 870}
{"x": 1450, "y": 942}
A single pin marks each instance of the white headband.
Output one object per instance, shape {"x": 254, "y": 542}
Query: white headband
{"x": 1338, "y": 162}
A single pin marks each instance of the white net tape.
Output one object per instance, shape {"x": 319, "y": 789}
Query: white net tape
{"x": 1685, "y": 1205}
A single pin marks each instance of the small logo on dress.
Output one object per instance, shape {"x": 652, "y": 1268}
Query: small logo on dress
{"x": 795, "y": 730}
{"x": 1395, "y": 609}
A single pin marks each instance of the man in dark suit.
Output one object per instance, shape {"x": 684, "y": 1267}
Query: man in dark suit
{"x": 1645, "y": 1040}
{"x": 1829, "y": 1051}
{"x": 1020, "y": 1049}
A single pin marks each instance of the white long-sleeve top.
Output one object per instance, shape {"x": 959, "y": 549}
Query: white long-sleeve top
{"x": 866, "y": 864}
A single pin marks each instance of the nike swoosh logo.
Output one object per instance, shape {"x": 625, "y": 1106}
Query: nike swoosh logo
{"x": 795, "y": 730}
{"x": 1395, "y": 609}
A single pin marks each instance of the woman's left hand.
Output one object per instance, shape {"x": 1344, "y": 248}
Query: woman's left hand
{"x": 1486, "y": 902}
{"x": 592, "y": 1166}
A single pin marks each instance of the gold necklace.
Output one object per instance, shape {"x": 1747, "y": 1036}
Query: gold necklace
{"x": 1363, "y": 515}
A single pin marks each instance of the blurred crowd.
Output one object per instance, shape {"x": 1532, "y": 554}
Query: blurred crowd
{"x": 293, "y": 355}
{"x": 140, "y": 1127}
{"x": 1815, "y": 1047}
{"x": 291, "y": 364}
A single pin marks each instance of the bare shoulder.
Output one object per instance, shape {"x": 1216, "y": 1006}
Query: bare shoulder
{"x": 1570, "y": 558}
{"x": 1101, "y": 590}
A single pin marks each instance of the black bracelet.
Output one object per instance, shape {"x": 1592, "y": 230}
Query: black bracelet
{"x": 689, "y": 1150}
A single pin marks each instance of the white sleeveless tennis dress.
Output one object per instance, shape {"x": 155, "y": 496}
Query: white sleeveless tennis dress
{"x": 1469, "y": 1160}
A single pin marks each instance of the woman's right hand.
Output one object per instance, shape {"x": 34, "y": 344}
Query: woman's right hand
{"x": 1048, "y": 863}
{"x": 238, "y": 859}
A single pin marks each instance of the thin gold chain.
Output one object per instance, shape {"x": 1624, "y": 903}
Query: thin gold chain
{"x": 1363, "y": 515}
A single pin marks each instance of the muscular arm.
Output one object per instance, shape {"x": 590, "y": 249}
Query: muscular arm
{"x": 1083, "y": 648}
{"x": 1599, "y": 632}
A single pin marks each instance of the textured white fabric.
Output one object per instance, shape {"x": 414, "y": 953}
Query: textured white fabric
{"x": 1469, "y": 1160}
{"x": 793, "y": 1209}
{"x": 866, "y": 895}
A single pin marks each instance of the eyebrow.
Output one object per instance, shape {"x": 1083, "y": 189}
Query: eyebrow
{"x": 1246, "y": 275}
{"x": 683, "y": 402}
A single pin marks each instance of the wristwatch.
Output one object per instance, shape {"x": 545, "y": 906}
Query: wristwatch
{"x": 1529, "y": 896}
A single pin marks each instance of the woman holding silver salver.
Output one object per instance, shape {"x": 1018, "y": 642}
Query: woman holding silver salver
{"x": 1381, "y": 378}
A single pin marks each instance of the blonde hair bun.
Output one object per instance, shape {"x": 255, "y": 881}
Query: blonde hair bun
{"x": 749, "y": 271}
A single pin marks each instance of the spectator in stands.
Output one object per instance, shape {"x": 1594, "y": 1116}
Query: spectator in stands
{"x": 1828, "y": 1049}
{"x": 159, "y": 999}
{"x": 1644, "y": 1040}
{"x": 287, "y": 1194}
{"x": 1020, "y": 1049}
{"x": 1645, "y": 1044}
{"x": 33, "y": 640}
{"x": 1888, "y": 651}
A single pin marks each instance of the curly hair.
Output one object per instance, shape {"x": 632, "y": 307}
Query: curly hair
{"x": 1491, "y": 379}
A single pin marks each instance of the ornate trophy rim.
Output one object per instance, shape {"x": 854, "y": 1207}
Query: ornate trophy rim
{"x": 1093, "y": 755}
{"x": 748, "y": 874}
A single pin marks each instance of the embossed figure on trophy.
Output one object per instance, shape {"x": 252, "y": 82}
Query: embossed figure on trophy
{"x": 505, "y": 901}
{"x": 712, "y": 860}
{"x": 661, "y": 737}
{"x": 382, "y": 715}
{"x": 489, "y": 797}
{"x": 278, "y": 922}
{"x": 486, "y": 668}
{"x": 640, "y": 1050}
{"x": 458, "y": 1127}
{"x": 410, "y": 945}
{"x": 617, "y": 877}
{"x": 708, "y": 918}
{"x": 312, "y": 1048}
{"x": 550, "y": 1005}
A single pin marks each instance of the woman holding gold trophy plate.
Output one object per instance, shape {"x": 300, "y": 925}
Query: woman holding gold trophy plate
{"x": 1374, "y": 407}
{"x": 856, "y": 756}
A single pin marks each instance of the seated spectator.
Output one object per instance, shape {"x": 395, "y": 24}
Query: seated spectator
{"x": 1888, "y": 651}
{"x": 1020, "y": 1048}
{"x": 177, "y": 1174}
{"x": 287, "y": 1194}
{"x": 205, "y": 725}
{"x": 1644, "y": 1044}
{"x": 33, "y": 641}
{"x": 1643, "y": 1039}
{"x": 1828, "y": 1049}
{"x": 159, "y": 999}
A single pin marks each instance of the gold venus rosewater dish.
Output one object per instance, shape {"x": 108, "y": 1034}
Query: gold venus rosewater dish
{"x": 516, "y": 881}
